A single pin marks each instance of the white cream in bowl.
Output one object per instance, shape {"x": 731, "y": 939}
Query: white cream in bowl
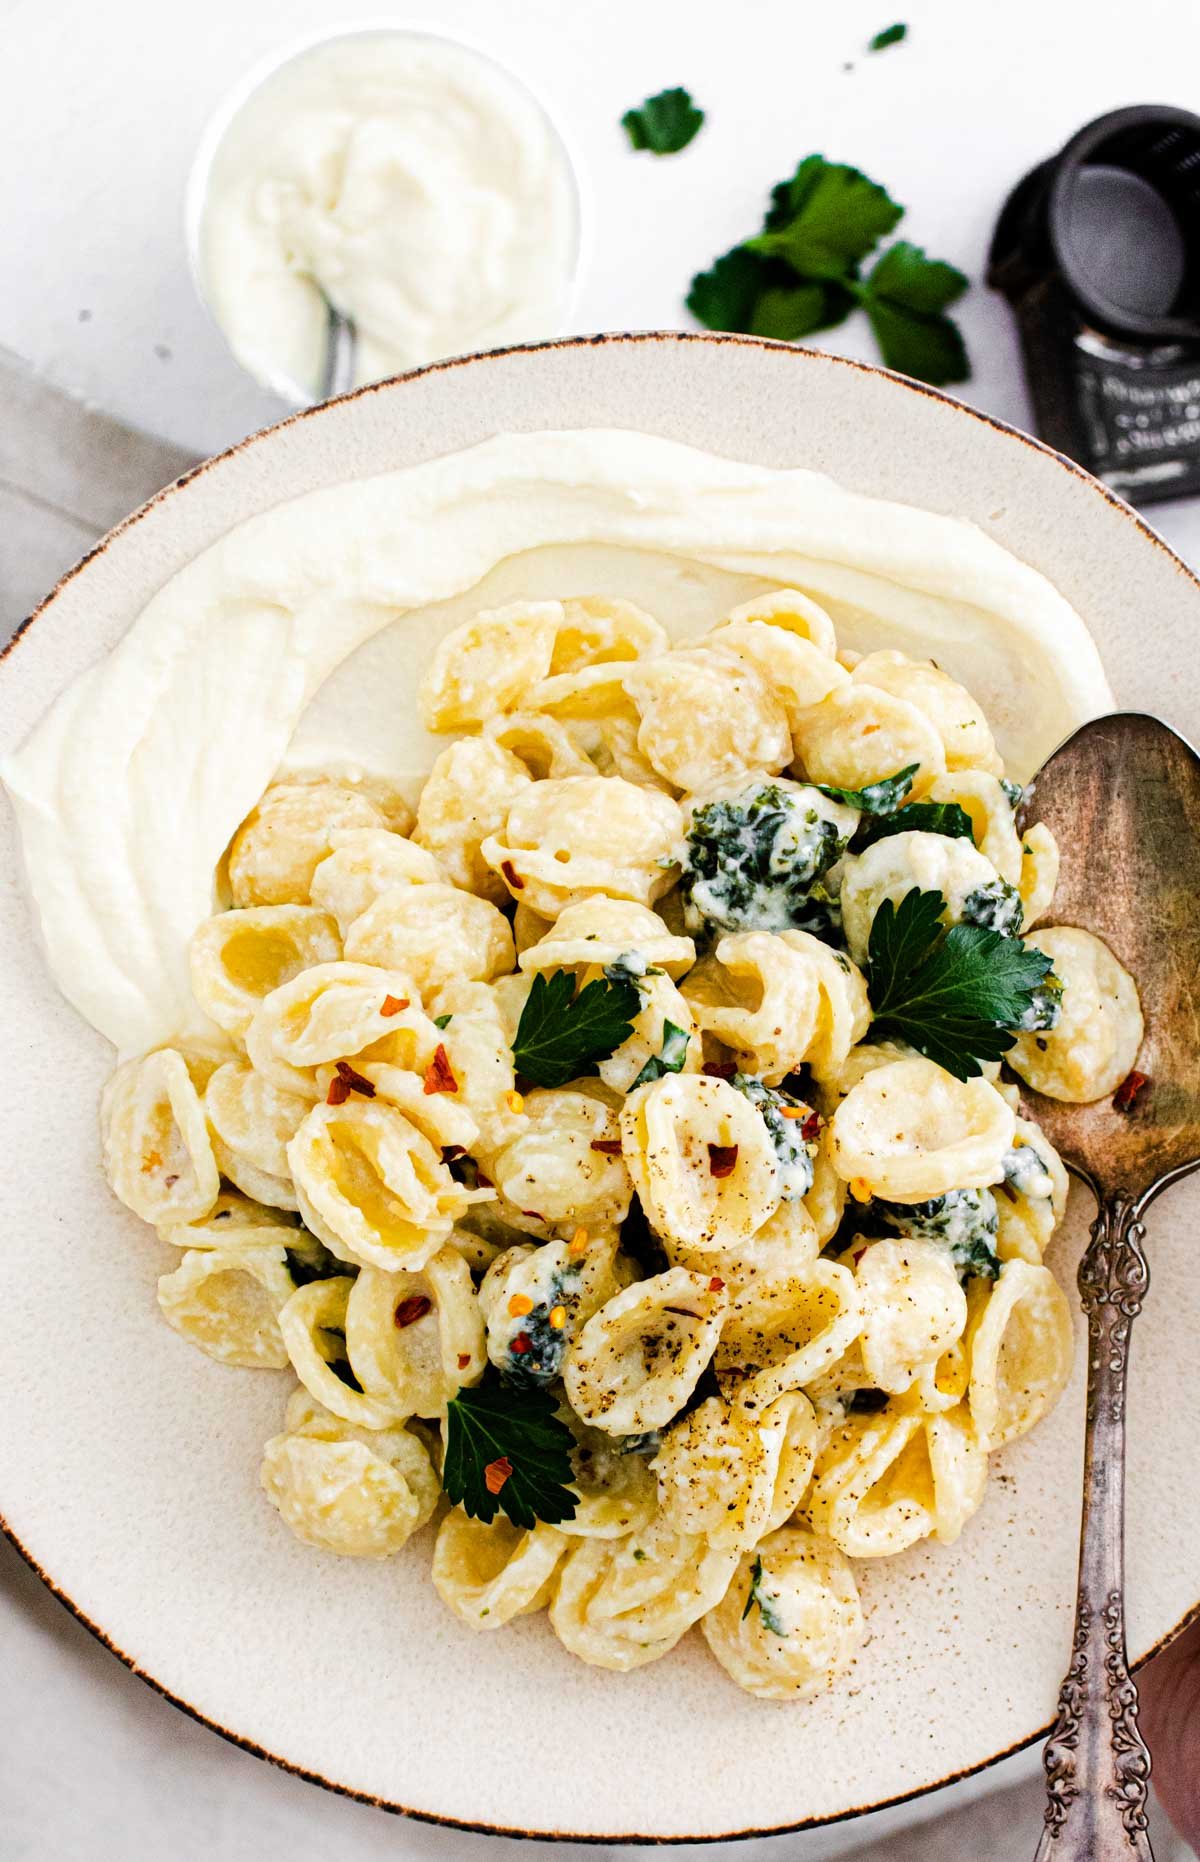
{"x": 403, "y": 178}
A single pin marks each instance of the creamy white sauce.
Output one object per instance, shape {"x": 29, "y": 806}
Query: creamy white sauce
{"x": 129, "y": 789}
{"x": 410, "y": 182}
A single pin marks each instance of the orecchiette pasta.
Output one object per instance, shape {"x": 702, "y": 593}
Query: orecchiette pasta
{"x": 365, "y": 862}
{"x": 925, "y": 862}
{"x": 1099, "y": 1031}
{"x": 638, "y": 1359}
{"x": 909, "y": 1130}
{"x": 951, "y": 710}
{"x": 1021, "y": 1347}
{"x": 239, "y": 957}
{"x": 701, "y": 1160}
{"x": 861, "y": 732}
{"x": 490, "y": 1574}
{"x": 158, "y": 1156}
{"x": 371, "y": 1187}
{"x": 707, "y": 716}
{"x": 620, "y": 1603}
{"x": 228, "y": 1300}
{"x": 276, "y": 851}
{"x": 565, "y": 840}
{"x": 790, "y": 1621}
{"x": 359, "y": 1493}
{"x": 550, "y": 1151}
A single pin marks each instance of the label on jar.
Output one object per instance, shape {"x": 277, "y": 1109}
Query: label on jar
{"x": 1140, "y": 415}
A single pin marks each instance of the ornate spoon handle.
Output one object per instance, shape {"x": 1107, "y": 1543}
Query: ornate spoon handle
{"x": 1097, "y": 1765}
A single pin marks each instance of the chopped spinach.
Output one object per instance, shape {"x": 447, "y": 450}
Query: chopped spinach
{"x": 948, "y": 818}
{"x": 537, "y": 1347}
{"x": 753, "y": 860}
{"x": 966, "y": 1220}
{"x": 767, "y": 1605}
{"x": 794, "y": 1153}
{"x": 670, "y": 1057}
{"x": 1045, "y": 1006}
{"x": 1015, "y": 791}
{"x": 1025, "y": 1170}
{"x": 996, "y": 906}
{"x": 647, "y": 1443}
{"x": 883, "y": 797}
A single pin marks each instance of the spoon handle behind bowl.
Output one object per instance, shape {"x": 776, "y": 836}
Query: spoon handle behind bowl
{"x": 1097, "y": 1764}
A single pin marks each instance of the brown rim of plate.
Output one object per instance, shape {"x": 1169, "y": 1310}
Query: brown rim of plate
{"x": 309, "y": 413}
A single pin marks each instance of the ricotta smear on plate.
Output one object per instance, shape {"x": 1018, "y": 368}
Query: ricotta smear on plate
{"x": 403, "y": 178}
{"x": 299, "y": 638}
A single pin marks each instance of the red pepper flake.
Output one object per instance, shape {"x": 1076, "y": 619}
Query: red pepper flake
{"x": 716, "y": 1284}
{"x": 521, "y": 1344}
{"x": 535, "y": 1215}
{"x": 719, "y": 1069}
{"x": 858, "y": 1253}
{"x": 722, "y": 1159}
{"x": 439, "y": 1075}
{"x": 354, "y": 1081}
{"x": 339, "y": 1092}
{"x": 811, "y": 1127}
{"x": 392, "y": 1005}
{"x": 464, "y": 1358}
{"x": 496, "y": 1473}
{"x": 485, "y": 1183}
{"x": 611, "y": 1147}
{"x": 170, "y": 1182}
{"x": 413, "y": 1308}
{"x": 511, "y": 876}
{"x": 452, "y": 1151}
{"x": 1128, "y": 1090}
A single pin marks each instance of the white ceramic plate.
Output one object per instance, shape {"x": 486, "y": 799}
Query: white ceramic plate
{"x": 128, "y": 1462}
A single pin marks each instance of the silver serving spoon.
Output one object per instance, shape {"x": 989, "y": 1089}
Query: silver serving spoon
{"x": 1122, "y": 797}
{"x": 341, "y": 352}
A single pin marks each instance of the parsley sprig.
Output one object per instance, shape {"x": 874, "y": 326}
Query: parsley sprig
{"x": 508, "y": 1451}
{"x": 665, "y": 123}
{"x": 803, "y": 273}
{"x": 561, "y": 1035}
{"x": 953, "y": 994}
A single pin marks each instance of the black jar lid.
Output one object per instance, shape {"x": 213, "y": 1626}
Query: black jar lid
{"x": 1115, "y": 218}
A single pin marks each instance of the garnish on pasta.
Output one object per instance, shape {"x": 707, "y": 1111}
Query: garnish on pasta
{"x": 883, "y": 797}
{"x": 561, "y": 1035}
{"x": 515, "y": 1433}
{"x": 949, "y": 818}
{"x": 953, "y": 994}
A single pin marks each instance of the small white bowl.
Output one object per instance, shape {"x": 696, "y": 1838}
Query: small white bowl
{"x": 291, "y": 392}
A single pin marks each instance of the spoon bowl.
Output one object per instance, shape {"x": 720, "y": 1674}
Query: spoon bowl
{"x": 1122, "y": 798}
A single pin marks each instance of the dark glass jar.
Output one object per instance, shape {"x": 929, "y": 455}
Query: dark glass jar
{"x": 1098, "y": 251}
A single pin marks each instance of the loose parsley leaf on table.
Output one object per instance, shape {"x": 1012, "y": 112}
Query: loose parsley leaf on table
{"x": 561, "y": 1035}
{"x": 801, "y": 274}
{"x": 891, "y": 35}
{"x": 508, "y": 1451}
{"x": 953, "y": 994}
{"x": 905, "y": 296}
{"x": 875, "y": 798}
{"x": 949, "y": 818}
{"x": 664, "y": 124}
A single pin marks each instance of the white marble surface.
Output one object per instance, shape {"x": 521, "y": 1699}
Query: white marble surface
{"x": 99, "y": 111}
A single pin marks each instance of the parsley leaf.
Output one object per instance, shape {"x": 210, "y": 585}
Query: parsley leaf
{"x": 515, "y": 1437}
{"x": 891, "y": 35}
{"x": 770, "y": 1616}
{"x": 905, "y": 297}
{"x": 875, "y": 798}
{"x": 669, "y": 1060}
{"x": 835, "y": 216}
{"x": 951, "y": 994}
{"x": 561, "y": 1035}
{"x": 800, "y": 274}
{"x": 664, "y": 124}
{"x": 949, "y": 818}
